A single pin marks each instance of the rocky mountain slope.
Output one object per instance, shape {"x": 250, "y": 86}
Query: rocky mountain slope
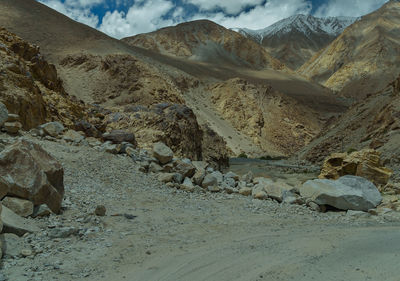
{"x": 364, "y": 58}
{"x": 30, "y": 86}
{"x": 133, "y": 88}
{"x": 371, "y": 123}
{"x": 206, "y": 41}
{"x": 276, "y": 123}
{"x": 296, "y": 39}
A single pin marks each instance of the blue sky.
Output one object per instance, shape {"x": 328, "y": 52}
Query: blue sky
{"x": 121, "y": 18}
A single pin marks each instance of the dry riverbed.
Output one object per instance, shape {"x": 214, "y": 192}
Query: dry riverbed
{"x": 151, "y": 232}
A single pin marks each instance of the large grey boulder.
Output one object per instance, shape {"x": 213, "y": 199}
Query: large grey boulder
{"x": 27, "y": 171}
{"x": 3, "y": 114}
{"x": 346, "y": 193}
{"x": 163, "y": 153}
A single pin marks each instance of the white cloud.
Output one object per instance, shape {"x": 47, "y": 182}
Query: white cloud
{"x": 143, "y": 16}
{"x": 148, "y": 15}
{"x": 229, "y": 6}
{"x": 78, "y": 10}
{"x": 348, "y": 8}
{"x": 262, "y": 15}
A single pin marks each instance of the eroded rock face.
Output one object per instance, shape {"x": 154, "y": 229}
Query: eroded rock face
{"x": 30, "y": 87}
{"x": 346, "y": 193}
{"x": 365, "y": 163}
{"x": 275, "y": 122}
{"x": 29, "y": 172}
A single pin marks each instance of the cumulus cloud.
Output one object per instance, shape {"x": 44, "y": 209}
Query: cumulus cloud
{"x": 229, "y": 6}
{"x": 348, "y": 8}
{"x": 124, "y": 18}
{"x": 143, "y": 16}
{"x": 262, "y": 16}
{"x": 78, "y": 10}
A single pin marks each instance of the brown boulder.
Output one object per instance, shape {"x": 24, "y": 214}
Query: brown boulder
{"x": 120, "y": 136}
{"x": 29, "y": 172}
{"x": 365, "y": 163}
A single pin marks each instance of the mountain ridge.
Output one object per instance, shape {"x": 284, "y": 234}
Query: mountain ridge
{"x": 296, "y": 39}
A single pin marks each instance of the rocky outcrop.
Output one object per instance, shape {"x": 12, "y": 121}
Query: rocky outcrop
{"x": 173, "y": 124}
{"x": 346, "y": 193}
{"x": 276, "y": 123}
{"x": 365, "y": 163}
{"x": 29, "y": 172}
{"x": 30, "y": 87}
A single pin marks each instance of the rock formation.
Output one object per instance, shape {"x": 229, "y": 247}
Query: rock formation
{"x": 365, "y": 163}
{"x": 29, "y": 172}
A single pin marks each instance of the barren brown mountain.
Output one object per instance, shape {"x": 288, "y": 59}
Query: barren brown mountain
{"x": 206, "y": 41}
{"x": 115, "y": 76}
{"x": 364, "y": 58}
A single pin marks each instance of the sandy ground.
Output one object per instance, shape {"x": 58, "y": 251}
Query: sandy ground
{"x": 195, "y": 236}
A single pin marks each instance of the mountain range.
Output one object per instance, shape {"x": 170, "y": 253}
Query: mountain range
{"x": 279, "y": 91}
{"x": 296, "y": 39}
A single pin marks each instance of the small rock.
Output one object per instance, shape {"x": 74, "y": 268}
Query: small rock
{"x": 155, "y": 168}
{"x": 120, "y": 136}
{"x": 21, "y": 207}
{"x": 13, "y": 117}
{"x": 166, "y": 177}
{"x": 12, "y": 127}
{"x": 352, "y": 213}
{"x": 26, "y": 253}
{"x": 214, "y": 188}
{"x": 62, "y": 232}
{"x": 231, "y": 175}
{"x": 100, "y": 211}
{"x": 73, "y": 136}
{"x": 246, "y": 191}
{"x": 41, "y": 211}
{"x": 12, "y": 244}
{"x": 162, "y": 152}
{"x": 3, "y": 114}
{"x": 12, "y": 223}
{"x": 187, "y": 185}
{"x": 209, "y": 180}
{"x": 248, "y": 177}
{"x": 53, "y": 129}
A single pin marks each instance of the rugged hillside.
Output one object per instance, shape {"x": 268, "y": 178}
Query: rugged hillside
{"x": 296, "y": 39}
{"x": 276, "y": 123}
{"x": 30, "y": 87}
{"x": 206, "y": 41}
{"x": 373, "y": 122}
{"x": 364, "y": 58}
{"x": 126, "y": 85}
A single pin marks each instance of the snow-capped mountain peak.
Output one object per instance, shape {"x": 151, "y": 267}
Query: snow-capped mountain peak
{"x": 305, "y": 24}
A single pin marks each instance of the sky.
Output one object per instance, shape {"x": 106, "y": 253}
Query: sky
{"x": 122, "y": 18}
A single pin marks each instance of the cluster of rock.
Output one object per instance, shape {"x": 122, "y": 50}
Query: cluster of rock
{"x": 346, "y": 193}
{"x": 365, "y": 163}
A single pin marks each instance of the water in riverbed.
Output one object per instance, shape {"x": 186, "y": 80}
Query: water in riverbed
{"x": 277, "y": 170}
